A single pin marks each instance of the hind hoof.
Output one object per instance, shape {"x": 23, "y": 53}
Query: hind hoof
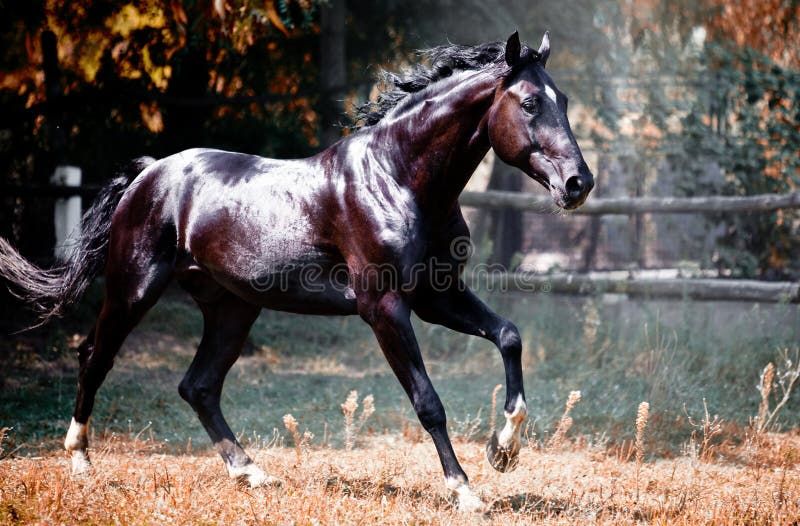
{"x": 253, "y": 476}
{"x": 80, "y": 463}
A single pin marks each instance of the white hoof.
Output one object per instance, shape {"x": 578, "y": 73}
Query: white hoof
{"x": 253, "y": 476}
{"x": 467, "y": 500}
{"x": 80, "y": 463}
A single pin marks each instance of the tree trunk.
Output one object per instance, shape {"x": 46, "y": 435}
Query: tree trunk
{"x": 595, "y": 223}
{"x": 185, "y": 124}
{"x": 506, "y": 223}
{"x": 332, "y": 70}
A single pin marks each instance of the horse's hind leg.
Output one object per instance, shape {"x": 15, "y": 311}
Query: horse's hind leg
{"x": 227, "y": 321}
{"x": 128, "y": 296}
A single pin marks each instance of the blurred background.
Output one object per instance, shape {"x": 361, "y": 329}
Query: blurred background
{"x": 667, "y": 98}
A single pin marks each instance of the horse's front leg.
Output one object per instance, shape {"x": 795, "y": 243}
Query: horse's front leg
{"x": 459, "y": 309}
{"x": 389, "y": 316}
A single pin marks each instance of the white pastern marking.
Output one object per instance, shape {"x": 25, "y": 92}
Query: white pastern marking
{"x": 550, "y": 92}
{"x": 77, "y": 438}
{"x": 467, "y": 500}
{"x": 509, "y": 437}
{"x": 252, "y": 474}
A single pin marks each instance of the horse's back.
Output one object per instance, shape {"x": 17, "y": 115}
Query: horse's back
{"x": 249, "y": 223}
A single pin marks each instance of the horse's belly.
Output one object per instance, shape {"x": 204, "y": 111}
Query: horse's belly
{"x": 305, "y": 289}
{"x": 317, "y": 286}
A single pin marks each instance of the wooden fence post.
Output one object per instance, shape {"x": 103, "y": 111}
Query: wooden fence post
{"x": 67, "y": 213}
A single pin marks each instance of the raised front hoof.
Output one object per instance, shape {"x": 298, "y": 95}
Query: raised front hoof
{"x": 80, "y": 464}
{"x": 254, "y": 477}
{"x": 502, "y": 459}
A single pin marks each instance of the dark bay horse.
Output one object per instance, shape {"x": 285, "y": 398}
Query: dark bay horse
{"x": 352, "y": 230}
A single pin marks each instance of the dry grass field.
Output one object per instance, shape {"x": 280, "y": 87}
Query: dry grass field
{"x": 395, "y": 480}
{"x": 713, "y": 445}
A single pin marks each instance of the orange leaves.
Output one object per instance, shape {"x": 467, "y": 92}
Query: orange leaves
{"x": 765, "y": 25}
{"x": 151, "y": 117}
{"x": 178, "y": 13}
{"x": 274, "y": 18}
{"x": 219, "y": 9}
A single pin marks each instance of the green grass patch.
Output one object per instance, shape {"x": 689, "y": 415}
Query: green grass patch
{"x": 616, "y": 351}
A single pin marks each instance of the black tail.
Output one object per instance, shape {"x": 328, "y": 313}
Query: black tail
{"x": 49, "y": 291}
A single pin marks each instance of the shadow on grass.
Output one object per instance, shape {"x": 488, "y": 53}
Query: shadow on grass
{"x": 541, "y": 507}
{"x": 368, "y": 489}
{"x": 528, "y": 503}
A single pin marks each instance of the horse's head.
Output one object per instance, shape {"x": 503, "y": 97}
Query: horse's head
{"x": 528, "y": 126}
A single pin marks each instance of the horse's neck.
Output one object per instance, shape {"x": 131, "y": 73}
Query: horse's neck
{"x": 444, "y": 137}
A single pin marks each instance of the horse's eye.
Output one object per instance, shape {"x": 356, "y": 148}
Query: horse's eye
{"x": 530, "y": 106}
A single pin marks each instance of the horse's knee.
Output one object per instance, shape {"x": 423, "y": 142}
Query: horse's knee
{"x": 192, "y": 393}
{"x": 430, "y": 410}
{"x": 388, "y": 309}
{"x": 199, "y": 397}
{"x": 186, "y": 392}
{"x": 508, "y": 339}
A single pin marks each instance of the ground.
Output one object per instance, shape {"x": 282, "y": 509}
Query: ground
{"x": 390, "y": 479}
{"x": 683, "y": 464}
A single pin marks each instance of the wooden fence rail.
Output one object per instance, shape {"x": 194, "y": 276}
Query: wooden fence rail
{"x": 542, "y": 204}
{"x": 708, "y": 289}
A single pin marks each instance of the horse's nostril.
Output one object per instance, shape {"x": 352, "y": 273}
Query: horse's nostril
{"x": 574, "y": 187}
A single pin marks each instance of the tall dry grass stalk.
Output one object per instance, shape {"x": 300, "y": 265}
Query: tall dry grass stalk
{"x": 3, "y": 432}
{"x": 709, "y": 428}
{"x": 492, "y": 420}
{"x": 565, "y": 423}
{"x": 764, "y": 388}
{"x": 300, "y": 441}
{"x": 591, "y": 322}
{"x": 352, "y": 426}
{"x": 784, "y": 377}
{"x": 642, "y": 414}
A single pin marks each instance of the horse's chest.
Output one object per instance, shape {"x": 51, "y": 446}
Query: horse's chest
{"x": 386, "y": 219}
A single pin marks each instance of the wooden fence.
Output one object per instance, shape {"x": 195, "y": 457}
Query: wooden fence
{"x": 537, "y": 204}
{"x": 694, "y": 288}
{"x": 706, "y": 289}
{"x": 542, "y": 204}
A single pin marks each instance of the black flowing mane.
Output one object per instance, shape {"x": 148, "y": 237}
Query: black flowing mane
{"x": 442, "y": 62}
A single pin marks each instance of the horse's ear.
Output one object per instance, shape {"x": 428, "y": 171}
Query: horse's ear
{"x": 513, "y": 49}
{"x": 544, "y": 48}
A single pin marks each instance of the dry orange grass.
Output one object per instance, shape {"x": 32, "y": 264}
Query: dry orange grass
{"x": 392, "y": 480}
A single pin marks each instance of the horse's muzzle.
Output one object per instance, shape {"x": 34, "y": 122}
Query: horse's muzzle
{"x": 577, "y": 189}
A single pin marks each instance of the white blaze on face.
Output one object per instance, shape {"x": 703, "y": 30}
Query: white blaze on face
{"x": 550, "y": 92}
